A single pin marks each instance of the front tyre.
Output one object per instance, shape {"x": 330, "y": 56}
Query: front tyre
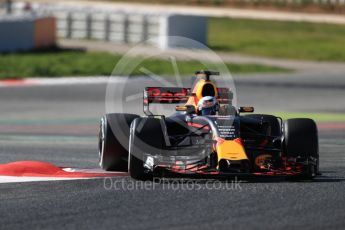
{"x": 301, "y": 142}
{"x": 273, "y": 121}
{"x": 146, "y": 137}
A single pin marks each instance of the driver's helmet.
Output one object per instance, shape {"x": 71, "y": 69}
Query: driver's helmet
{"x": 208, "y": 105}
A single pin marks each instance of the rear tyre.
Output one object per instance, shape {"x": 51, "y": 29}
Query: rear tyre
{"x": 113, "y": 136}
{"x": 301, "y": 141}
{"x": 227, "y": 110}
{"x": 275, "y": 126}
{"x": 146, "y": 137}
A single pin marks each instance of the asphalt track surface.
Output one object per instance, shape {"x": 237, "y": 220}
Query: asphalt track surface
{"x": 58, "y": 124}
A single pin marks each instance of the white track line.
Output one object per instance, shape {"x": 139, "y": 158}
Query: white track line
{"x": 59, "y": 81}
{"x": 95, "y": 170}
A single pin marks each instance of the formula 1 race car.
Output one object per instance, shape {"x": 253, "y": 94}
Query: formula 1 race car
{"x": 206, "y": 135}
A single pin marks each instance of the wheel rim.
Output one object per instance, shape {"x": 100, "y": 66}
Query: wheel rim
{"x": 101, "y": 141}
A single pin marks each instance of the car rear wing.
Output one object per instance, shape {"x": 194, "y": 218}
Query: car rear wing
{"x": 164, "y": 95}
{"x": 176, "y": 95}
{"x": 170, "y": 95}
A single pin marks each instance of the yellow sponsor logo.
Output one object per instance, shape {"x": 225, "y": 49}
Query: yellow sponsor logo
{"x": 261, "y": 159}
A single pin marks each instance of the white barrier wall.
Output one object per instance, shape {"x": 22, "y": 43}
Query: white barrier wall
{"x": 125, "y": 27}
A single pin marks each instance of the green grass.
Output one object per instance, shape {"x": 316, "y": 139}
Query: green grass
{"x": 75, "y": 63}
{"x": 319, "y": 117}
{"x": 295, "y": 40}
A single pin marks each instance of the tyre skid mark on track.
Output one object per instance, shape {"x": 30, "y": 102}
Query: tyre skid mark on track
{"x": 25, "y": 171}
{"x": 63, "y": 129}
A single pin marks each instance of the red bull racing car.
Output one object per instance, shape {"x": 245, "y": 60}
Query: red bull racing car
{"x": 206, "y": 135}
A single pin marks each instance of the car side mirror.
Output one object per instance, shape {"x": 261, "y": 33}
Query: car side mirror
{"x": 246, "y": 109}
{"x": 189, "y": 109}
